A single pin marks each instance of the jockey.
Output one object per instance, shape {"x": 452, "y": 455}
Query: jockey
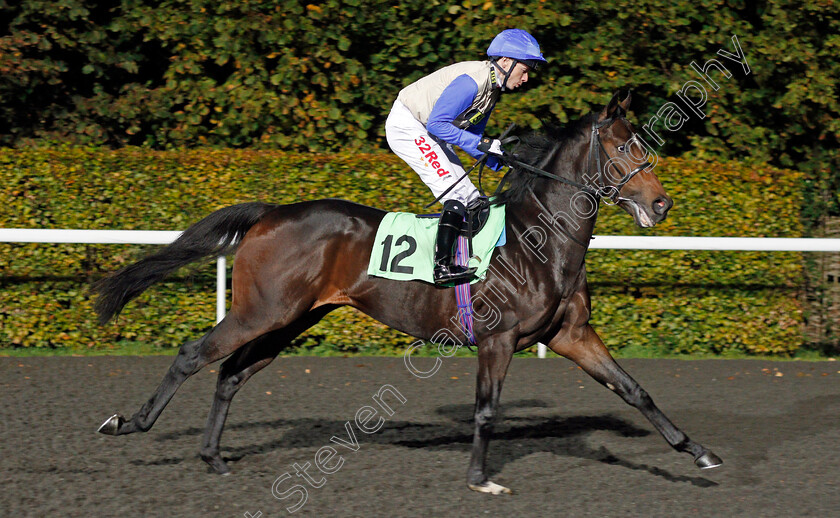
{"x": 450, "y": 107}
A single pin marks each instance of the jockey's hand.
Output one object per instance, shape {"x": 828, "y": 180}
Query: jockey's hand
{"x": 491, "y": 146}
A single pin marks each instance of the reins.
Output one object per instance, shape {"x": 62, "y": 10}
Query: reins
{"x": 603, "y": 190}
{"x": 596, "y": 148}
{"x": 478, "y": 163}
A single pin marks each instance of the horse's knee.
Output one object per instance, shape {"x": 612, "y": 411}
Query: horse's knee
{"x": 484, "y": 417}
{"x": 633, "y": 394}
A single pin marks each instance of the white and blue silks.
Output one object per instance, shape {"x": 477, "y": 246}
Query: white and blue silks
{"x": 456, "y": 99}
{"x": 445, "y": 109}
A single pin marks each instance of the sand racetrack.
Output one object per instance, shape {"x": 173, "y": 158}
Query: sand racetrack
{"x": 564, "y": 444}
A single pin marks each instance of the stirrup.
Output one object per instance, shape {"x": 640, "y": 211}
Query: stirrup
{"x": 444, "y": 274}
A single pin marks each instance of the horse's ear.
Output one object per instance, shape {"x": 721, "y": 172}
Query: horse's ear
{"x": 609, "y": 109}
{"x": 625, "y": 104}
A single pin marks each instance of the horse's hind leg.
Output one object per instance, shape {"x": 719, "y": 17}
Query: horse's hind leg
{"x": 236, "y": 370}
{"x": 593, "y": 357}
{"x": 221, "y": 341}
{"x": 233, "y": 373}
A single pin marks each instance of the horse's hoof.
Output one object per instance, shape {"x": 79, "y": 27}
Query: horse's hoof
{"x": 490, "y": 487}
{"x": 217, "y": 465}
{"x": 112, "y": 425}
{"x": 708, "y": 461}
{"x": 220, "y": 468}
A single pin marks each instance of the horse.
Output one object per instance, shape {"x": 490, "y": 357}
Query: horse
{"x": 295, "y": 263}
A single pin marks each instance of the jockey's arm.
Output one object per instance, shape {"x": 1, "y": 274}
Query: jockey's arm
{"x": 455, "y": 100}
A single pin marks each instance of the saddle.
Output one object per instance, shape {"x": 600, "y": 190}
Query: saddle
{"x": 478, "y": 211}
{"x": 404, "y": 246}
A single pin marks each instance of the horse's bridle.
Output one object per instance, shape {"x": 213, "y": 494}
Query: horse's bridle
{"x": 605, "y": 191}
{"x": 596, "y": 147}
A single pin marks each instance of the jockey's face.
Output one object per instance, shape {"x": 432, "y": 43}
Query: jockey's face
{"x": 519, "y": 74}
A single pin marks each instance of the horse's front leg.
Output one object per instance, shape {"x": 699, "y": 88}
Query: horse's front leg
{"x": 584, "y": 347}
{"x": 493, "y": 361}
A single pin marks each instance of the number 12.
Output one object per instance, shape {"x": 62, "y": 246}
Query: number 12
{"x": 395, "y": 264}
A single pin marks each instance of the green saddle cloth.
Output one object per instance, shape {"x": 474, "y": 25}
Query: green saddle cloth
{"x": 404, "y": 248}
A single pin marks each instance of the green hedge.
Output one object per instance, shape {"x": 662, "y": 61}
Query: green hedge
{"x": 322, "y": 75}
{"x": 698, "y": 301}
{"x": 672, "y": 302}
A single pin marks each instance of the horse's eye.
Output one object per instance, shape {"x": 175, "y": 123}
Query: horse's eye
{"x": 621, "y": 148}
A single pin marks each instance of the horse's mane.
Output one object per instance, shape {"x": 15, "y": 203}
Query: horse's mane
{"x": 539, "y": 147}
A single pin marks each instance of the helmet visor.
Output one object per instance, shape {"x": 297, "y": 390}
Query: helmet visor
{"x": 533, "y": 64}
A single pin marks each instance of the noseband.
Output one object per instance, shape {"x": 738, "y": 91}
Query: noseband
{"x": 605, "y": 191}
{"x": 596, "y": 147}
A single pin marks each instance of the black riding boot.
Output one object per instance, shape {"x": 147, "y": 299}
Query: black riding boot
{"x": 446, "y": 270}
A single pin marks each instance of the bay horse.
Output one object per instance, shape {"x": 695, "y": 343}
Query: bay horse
{"x": 295, "y": 263}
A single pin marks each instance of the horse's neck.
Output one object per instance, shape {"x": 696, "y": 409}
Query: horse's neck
{"x": 554, "y": 221}
{"x": 562, "y": 210}
{"x": 560, "y": 204}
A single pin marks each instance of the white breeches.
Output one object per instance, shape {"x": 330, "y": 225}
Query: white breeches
{"x": 433, "y": 160}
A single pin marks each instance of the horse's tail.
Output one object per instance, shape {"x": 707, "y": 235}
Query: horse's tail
{"x": 217, "y": 234}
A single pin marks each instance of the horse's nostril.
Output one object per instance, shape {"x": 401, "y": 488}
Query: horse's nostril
{"x": 661, "y": 205}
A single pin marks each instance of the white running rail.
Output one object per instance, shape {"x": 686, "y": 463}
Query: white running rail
{"x": 163, "y": 237}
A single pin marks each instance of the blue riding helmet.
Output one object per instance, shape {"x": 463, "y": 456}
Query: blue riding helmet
{"x": 516, "y": 44}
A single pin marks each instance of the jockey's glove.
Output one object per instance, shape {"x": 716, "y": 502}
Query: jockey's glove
{"x": 491, "y": 146}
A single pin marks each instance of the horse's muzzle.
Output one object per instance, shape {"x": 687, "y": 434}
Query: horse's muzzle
{"x": 662, "y": 205}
